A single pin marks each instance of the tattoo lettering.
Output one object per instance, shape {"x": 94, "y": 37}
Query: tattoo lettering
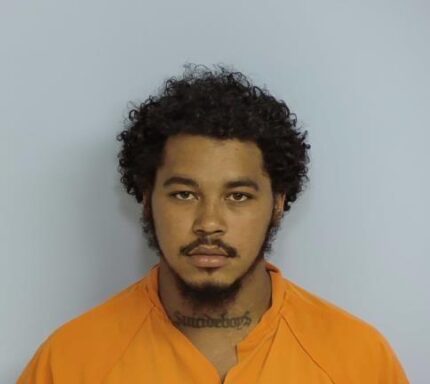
{"x": 212, "y": 322}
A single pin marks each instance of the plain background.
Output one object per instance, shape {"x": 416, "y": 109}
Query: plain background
{"x": 355, "y": 72}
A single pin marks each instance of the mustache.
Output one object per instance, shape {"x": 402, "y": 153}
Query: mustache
{"x": 230, "y": 251}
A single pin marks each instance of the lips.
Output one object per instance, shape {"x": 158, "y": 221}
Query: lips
{"x": 205, "y": 257}
{"x": 208, "y": 251}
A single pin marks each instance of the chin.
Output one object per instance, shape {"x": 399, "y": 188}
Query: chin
{"x": 208, "y": 277}
{"x": 209, "y": 293}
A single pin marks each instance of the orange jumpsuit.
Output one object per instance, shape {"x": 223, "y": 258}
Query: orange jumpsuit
{"x": 129, "y": 339}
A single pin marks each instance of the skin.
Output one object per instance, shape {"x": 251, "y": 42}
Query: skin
{"x": 238, "y": 218}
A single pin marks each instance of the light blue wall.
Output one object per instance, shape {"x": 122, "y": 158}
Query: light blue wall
{"x": 355, "y": 72}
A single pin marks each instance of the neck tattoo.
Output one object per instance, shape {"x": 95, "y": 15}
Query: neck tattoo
{"x": 206, "y": 321}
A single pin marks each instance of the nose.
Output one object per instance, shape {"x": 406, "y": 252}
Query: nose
{"x": 209, "y": 220}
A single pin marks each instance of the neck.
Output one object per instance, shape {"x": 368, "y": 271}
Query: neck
{"x": 236, "y": 318}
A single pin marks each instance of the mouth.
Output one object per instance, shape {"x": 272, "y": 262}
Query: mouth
{"x": 208, "y": 261}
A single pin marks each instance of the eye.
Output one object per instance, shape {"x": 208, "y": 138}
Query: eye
{"x": 182, "y": 194}
{"x": 239, "y": 197}
{"x": 240, "y": 194}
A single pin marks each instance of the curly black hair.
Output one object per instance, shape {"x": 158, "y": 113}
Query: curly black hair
{"x": 222, "y": 104}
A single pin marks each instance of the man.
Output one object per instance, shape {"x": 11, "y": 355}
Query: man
{"x": 216, "y": 161}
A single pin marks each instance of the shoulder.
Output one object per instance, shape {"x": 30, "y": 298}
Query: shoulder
{"x": 345, "y": 346}
{"x": 95, "y": 339}
{"x": 107, "y": 322}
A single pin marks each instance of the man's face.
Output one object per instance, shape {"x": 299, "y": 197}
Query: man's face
{"x": 193, "y": 204}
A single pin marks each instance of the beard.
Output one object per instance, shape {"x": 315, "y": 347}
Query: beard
{"x": 210, "y": 296}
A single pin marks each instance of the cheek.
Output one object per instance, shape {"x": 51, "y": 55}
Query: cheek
{"x": 170, "y": 227}
{"x": 174, "y": 228}
{"x": 248, "y": 232}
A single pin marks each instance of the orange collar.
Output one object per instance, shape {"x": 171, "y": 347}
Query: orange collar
{"x": 268, "y": 321}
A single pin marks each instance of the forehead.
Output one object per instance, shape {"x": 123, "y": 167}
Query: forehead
{"x": 212, "y": 159}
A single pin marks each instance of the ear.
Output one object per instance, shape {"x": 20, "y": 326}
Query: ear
{"x": 146, "y": 204}
{"x": 279, "y": 201}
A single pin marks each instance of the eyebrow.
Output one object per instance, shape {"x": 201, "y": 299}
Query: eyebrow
{"x": 242, "y": 182}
